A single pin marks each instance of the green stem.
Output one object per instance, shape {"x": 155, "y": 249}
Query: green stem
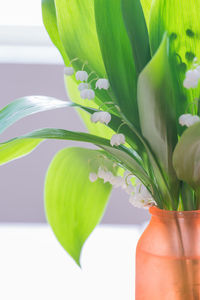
{"x": 187, "y": 197}
{"x": 198, "y": 107}
{"x": 197, "y": 193}
{"x": 152, "y": 156}
{"x": 186, "y": 271}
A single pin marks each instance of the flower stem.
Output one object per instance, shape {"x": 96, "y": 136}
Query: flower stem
{"x": 186, "y": 268}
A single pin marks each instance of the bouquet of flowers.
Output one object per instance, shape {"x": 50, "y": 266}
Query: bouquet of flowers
{"x": 132, "y": 71}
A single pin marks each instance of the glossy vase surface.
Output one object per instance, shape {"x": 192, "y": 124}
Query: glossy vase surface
{"x": 168, "y": 257}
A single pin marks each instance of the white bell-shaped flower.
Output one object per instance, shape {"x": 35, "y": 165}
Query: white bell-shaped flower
{"x": 87, "y": 94}
{"x": 93, "y": 177}
{"x": 191, "y": 79}
{"x": 117, "y": 181}
{"x": 101, "y": 173}
{"x": 117, "y": 139}
{"x": 102, "y": 83}
{"x": 102, "y": 117}
{"x": 193, "y": 74}
{"x": 69, "y": 71}
{"x": 141, "y": 197}
{"x": 139, "y": 201}
{"x": 107, "y": 176}
{"x": 83, "y": 86}
{"x": 82, "y": 76}
{"x": 188, "y": 84}
{"x": 188, "y": 120}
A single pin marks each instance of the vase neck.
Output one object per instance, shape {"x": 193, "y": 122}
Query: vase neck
{"x": 168, "y": 214}
{"x": 177, "y": 230}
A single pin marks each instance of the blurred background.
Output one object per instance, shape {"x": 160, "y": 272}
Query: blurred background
{"x": 31, "y": 65}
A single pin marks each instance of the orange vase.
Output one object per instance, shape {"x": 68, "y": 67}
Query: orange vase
{"x": 168, "y": 257}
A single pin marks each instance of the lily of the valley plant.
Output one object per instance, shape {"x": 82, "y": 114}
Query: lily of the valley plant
{"x": 132, "y": 69}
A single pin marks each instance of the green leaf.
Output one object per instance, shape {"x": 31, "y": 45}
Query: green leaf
{"x": 157, "y": 118}
{"x": 76, "y": 25}
{"x": 68, "y": 52}
{"x": 127, "y": 158}
{"x": 117, "y": 55}
{"x": 23, "y": 145}
{"x": 77, "y": 31}
{"x": 19, "y": 146}
{"x": 187, "y": 197}
{"x": 146, "y": 6}
{"x": 74, "y": 205}
{"x": 186, "y": 157}
{"x": 181, "y": 20}
{"x": 27, "y": 106}
{"x": 137, "y": 32}
{"x": 50, "y": 23}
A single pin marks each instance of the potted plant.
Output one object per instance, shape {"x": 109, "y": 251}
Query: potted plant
{"x": 132, "y": 71}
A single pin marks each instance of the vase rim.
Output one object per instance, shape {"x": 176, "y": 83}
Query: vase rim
{"x": 155, "y": 211}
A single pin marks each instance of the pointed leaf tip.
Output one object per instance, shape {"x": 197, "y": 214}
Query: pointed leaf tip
{"x": 74, "y": 205}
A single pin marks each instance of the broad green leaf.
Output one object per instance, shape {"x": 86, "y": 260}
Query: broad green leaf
{"x": 137, "y": 31}
{"x": 157, "y": 117}
{"x": 74, "y": 205}
{"x": 181, "y": 20}
{"x": 186, "y": 157}
{"x": 50, "y": 23}
{"x": 117, "y": 55}
{"x": 27, "y": 106}
{"x": 65, "y": 25}
{"x": 76, "y": 25}
{"x": 77, "y": 31}
{"x": 146, "y": 6}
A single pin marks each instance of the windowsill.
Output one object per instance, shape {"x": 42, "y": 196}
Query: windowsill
{"x": 27, "y": 45}
{"x": 30, "y": 55}
{"x": 36, "y": 267}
